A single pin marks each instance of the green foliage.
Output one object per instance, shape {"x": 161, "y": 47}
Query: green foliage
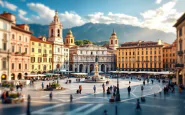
{"x": 82, "y": 42}
{"x": 79, "y": 42}
{"x": 13, "y": 95}
{"x": 5, "y": 84}
{"x": 54, "y": 85}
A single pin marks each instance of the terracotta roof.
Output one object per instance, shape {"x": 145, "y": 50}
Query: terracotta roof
{"x": 33, "y": 38}
{"x": 2, "y": 17}
{"x": 20, "y": 29}
{"x": 180, "y": 20}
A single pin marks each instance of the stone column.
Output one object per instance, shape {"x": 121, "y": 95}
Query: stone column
{"x": 84, "y": 68}
{"x": 73, "y": 67}
{"x": 88, "y": 70}
{"x": 77, "y": 68}
{"x": 105, "y": 68}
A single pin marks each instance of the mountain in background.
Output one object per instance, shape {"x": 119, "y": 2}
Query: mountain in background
{"x": 102, "y": 32}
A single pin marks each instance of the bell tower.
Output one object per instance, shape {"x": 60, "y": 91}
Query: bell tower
{"x": 113, "y": 42}
{"x": 55, "y": 30}
{"x": 69, "y": 40}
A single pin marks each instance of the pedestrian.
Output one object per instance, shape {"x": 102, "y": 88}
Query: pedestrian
{"x": 80, "y": 88}
{"x": 129, "y": 82}
{"x": 138, "y": 107}
{"x": 129, "y": 89}
{"x": 142, "y": 88}
{"x": 152, "y": 81}
{"x": 94, "y": 88}
{"x": 51, "y": 96}
{"x": 103, "y": 86}
{"x": 21, "y": 86}
{"x": 42, "y": 85}
{"x": 105, "y": 112}
{"x": 71, "y": 98}
{"x": 17, "y": 87}
{"x": 144, "y": 82}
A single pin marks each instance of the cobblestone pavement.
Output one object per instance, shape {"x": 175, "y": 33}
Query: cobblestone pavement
{"x": 89, "y": 103}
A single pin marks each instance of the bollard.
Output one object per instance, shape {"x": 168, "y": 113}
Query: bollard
{"x": 28, "y": 105}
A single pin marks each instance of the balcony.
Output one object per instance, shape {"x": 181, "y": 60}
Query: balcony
{"x": 180, "y": 53}
{"x": 179, "y": 65}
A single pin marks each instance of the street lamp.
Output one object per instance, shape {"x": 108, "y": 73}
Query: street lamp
{"x": 117, "y": 93}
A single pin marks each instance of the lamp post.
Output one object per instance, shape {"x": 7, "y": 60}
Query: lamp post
{"x": 117, "y": 93}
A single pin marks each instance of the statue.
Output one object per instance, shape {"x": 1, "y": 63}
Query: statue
{"x": 96, "y": 60}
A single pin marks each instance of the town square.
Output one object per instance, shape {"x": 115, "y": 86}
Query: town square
{"x": 92, "y": 57}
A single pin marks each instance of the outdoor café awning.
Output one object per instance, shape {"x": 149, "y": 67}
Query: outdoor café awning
{"x": 98, "y": 72}
{"x": 79, "y": 73}
{"x": 34, "y": 75}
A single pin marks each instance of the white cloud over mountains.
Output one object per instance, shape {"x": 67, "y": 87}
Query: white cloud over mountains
{"x": 45, "y": 16}
{"x": 8, "y": 5}
{"x": 161, "y": 18}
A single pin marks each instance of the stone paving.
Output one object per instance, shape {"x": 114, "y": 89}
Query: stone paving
{"x": 89, "y": 103}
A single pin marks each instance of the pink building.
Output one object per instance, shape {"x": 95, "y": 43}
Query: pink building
{"x": 19, "y": 48}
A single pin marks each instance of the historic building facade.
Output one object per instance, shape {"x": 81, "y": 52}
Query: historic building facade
{"x": 40, "y": 55}
{"x": 19, "y": 48}
{"x": 140, "y": 56}
{"x": 169, "y": 56}
{"x": 180, "y": 33}
{"x": 5, "y": 33}
{"x": 82, "y": 58}
{"x": 60, "y": 52}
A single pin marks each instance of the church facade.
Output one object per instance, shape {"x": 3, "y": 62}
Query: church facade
{"x": 60, "y": 52}
{"x": 83, "y": 58}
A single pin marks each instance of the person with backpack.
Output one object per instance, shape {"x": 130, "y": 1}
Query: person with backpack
{"x": 51, "y": 96}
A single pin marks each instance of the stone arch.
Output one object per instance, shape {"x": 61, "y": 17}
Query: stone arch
{"x": 71, "y": 67}
{"x": 103, "y": 67}
{"x": 19, "y": 76}
{"x": 12, "y": 76}
{"x": 39, "y": 72}
{"x": 91, "y": 67}
{"x": 3, "y": 77}
{"x": 81, "y": 68}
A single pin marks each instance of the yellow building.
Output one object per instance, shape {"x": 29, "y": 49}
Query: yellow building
{"x": 169, "y": 57}
{"x": 140, "y": 56}
{"x": 180, "y": 69}
{"x": 40, "y": 55}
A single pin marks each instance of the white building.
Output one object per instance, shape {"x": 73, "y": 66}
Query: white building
{"x": 5, "y": 32}
{"x": 60, "y": 52}
{"x": 82, "y": 58}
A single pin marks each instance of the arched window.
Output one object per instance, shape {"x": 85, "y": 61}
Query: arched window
{"x": 116, "y": 41}
{"x": 111, "y": 41}
{"x": 51, "y": 32}
{"x": 71, "y": 40}
{"x": 58, "y": 32}
{"x": 13, "y": 36}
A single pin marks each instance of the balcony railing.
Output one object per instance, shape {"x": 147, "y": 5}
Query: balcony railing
{"x": 179, "y": 65}
{"x": 180, "y": 53}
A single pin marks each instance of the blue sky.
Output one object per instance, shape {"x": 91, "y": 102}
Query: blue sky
{"x": 153, "y": 14}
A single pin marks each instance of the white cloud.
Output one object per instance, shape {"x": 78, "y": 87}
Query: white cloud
{"x": 10, "y": 6}
{"x": 162, "y": 18}
{"x": 158, "y": 1}
{"x": 45, "y": 16}
{"x": 99, "y": 17}
{"x": 1, "y": 3}
{"x": 22, "y": 14}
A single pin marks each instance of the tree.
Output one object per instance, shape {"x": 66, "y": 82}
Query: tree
{"x": 79, "y": 42}
{"x": 86, "y": 42}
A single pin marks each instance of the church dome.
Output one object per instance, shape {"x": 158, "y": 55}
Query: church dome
{"x": 113, "y": 33}
{"x": 69, "y": 32}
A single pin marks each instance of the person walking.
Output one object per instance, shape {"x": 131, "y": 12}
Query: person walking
{"x": 138, "y": 107}
{"x": 42, "y": 85}
{"x": 142, "y": 88}
{"x": 103, "y": 86}
{"x": 129, "y": 89}
{"x": 80, "y": 88}
{"x": 71, "y": 98}
{"x": 51, "y": 96}
{"x": 94, "y": 88}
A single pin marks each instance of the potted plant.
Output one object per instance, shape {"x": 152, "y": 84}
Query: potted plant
{"x": 16, "y": 52}
{"x": 24, "y": 53}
